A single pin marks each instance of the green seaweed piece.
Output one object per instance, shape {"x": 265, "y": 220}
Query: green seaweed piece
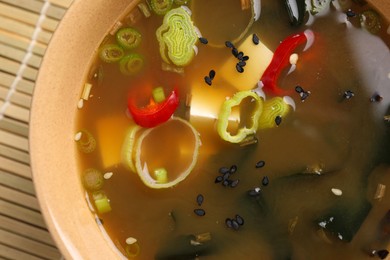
{"x": 177, "y": 38}
{"x": 273, "y": 108}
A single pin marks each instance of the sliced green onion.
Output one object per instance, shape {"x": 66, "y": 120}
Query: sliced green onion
{"x": 161, "y": 7}
{"x": 273, "y": 108}
{"x": 132, "y": 249}
{"x": 158, "y": 95}
{"x": 102, "y": 203}
{"x": 86, "y": 143}
{"x": 177, "y": 38}
{"x": 128, "y": 38}
{"x": 144, "y": 9}
{"x": 370, "y": 20}
{"x": 181, "y": 2}
{"x": 111, "y": 53}
{"x": 131, "y": 64}
{"x": 161, "y": 175}
{"x": 92, "y": 179}
{"x": 128, "y": 147}
{"x": 224, "y": 114}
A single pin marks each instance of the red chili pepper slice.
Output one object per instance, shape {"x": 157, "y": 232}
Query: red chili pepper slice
{"x": 279, "y": 61}
{"x": 154, "y": 113}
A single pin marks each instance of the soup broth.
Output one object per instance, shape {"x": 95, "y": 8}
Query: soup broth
{"x": 306, "y": 184}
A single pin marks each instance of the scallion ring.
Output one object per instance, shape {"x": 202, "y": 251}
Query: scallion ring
{"x": 131, "y": 64}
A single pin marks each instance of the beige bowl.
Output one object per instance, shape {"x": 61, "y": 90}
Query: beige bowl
{"x": 53, "y": 157}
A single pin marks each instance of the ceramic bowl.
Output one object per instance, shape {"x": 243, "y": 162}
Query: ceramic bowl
{"x": 52, "y": 127}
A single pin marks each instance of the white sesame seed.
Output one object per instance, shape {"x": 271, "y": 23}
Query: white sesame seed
{"x": 337, "y": 192}
{"x": 108, "y": 175}
{"x": 131, "y": 240}
{"x": 80, "y": 104}
{"x": 257, "y": 189}
{"x": 77, "y": 136}
{"x": 294, "y": 59}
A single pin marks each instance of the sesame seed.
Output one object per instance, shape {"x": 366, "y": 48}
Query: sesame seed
{"x": 350, "y": 13}
{"x": 304, "y": 95}
{"x": 199, "y": 199}
{"x": 241, "y": 63}
{"x": 199, "y": 212}
{"x": 78, "y": 136}
{"x": 299, "y": 89}
{"x": 234, "y": 183}
{"x": 376, "y": 98}
{"x": 337, "y": 192}
{"x": 207, "y": 79}
{"x": 108, "y": 175}
{"x": 229, "y": 44}
{"x": 226, "y": 176}
{"x": 245, "y": 58}
{"x": 239, "y": 220}
{"x": 131, "y": 240}
{"x": 278, "y": 120}
{"x": 255, "y": 39}
{"x": 254, "y": 192}
{"x": 203, "y": 40}
{"x": 223, "y": 170}
{"x": 226, "y": 183}
{"x": 265, "y": 181}
{"x": 240, "y": 55}
{"x": 382, "y": 253}
{"x": 235, "y": 52}
{"x": 239, "y": 68}
{"x": 228, "y": 223}
{"x": 348, "y": 94}
{"x": 233, "y": 169}
{"x": 235, "y": 224}
{"x": 212, "y": 74}
{"x": 218, "y": 179}
{"x": 260, "y": 164}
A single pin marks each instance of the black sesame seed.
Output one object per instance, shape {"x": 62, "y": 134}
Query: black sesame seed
{"x": 240, "y": 55}
{"x": 212, "y": 74}
{"x": 239, "y": 220}
{"x": 348, "y": 94}
{"x": 245, "y": 58}
{"x": 260, "y": 164}
{"x": 242, "y": 63}
{"x": 382, "y": 253}
{"x": 228, "y": 223}
{"x": 199, "y": 199}
{"x": 304, "y": 95}
{"x": 203, "y": 40}
{"x": 235, "y": 52}
{"x": 254, "y": 192}
{"x": 265, "y": 181}
{"x": 229, "y": 44}
{"x": 218, "y": 179}
{"x": 200, "y": 212}
{"x": 207, "y": 79}
{"x": 278, "y": 120}
{"x": 223, "y": 170}
{"x": 226, "y": 183}
{"x": 255, "y": 39}
{"x": 350, "y": 13}
{"x": 233, "y": 169}
{"x": 226, "y": 176}
{"x": 376, "y": 98}
{"x": 235, "y": 224}
{"x": 239, "y": 68}
{"x": 299, "y": 89}
{"x": 234, "y": 183}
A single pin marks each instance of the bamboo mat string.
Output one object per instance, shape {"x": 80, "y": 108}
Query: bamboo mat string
{"x": 27, "y": 56}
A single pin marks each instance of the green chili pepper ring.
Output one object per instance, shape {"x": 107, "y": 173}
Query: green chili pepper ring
{"x": 223, "y": 117}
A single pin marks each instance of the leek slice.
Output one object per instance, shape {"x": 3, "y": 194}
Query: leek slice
{"x": 273, "y": 108}
{"x": 142, "y": 167}
{"x": 128, "y": 147}
{"x": 128, "y": 38}
{"x": 111, "y": 53}
{"x": 223, "y": 117}
{"x": 161, "y": 7}
{"x": 131, "y": 64}
{"x": 177, "y": 38}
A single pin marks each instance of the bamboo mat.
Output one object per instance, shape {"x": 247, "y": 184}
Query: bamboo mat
{"x": 26, "y": 27}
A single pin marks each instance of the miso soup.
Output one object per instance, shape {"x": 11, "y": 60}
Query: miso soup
{"x": 228, "y": 129}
